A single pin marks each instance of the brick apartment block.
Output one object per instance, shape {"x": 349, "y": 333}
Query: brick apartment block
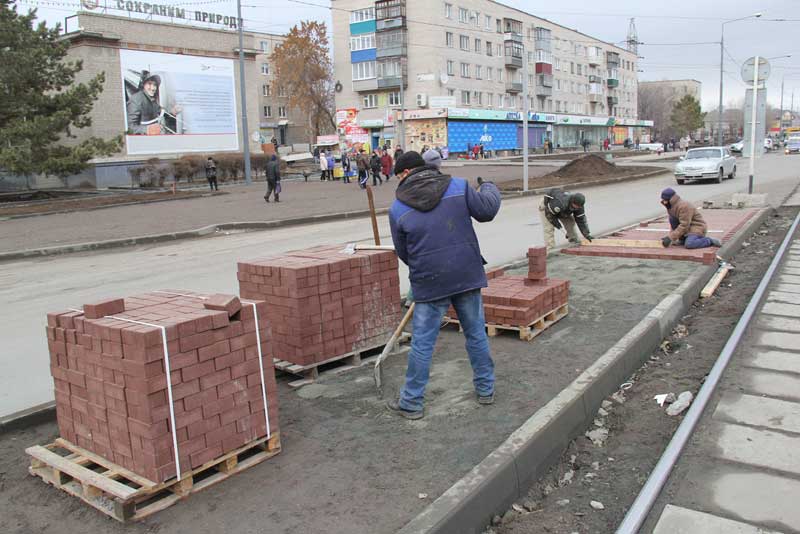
{"x": 521, "y": 300}
{"x": 323, "y": 303}
{"x": 111, "y": 383}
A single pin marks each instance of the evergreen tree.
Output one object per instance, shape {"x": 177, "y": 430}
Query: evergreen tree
{"x": 40, "y": 103}
{"x": 686, "y": 116}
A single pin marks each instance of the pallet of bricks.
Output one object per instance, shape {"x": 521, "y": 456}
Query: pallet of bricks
{"x": 325, "y": 305}
{"x": 526, "y": 305}
{"x": 135, "y": 439}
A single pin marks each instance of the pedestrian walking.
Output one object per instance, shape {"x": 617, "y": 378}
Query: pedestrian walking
{"x": 636, "y": 146}
{"x": 362, "y": 164}
{"x": 585, "y": 143}
{"x": 323, "y": 166}
{"x": 476, "y": 149}
{"x": 397, "y": 153}
{"x": 273, "y": 173}
{"x": 482, "y": 152}
{"x": 386, "y": 164}
{"x": 346, "y": 167}
{"x": 606, "y": 144}
{"x": 376, "y": 166}
{"x": 432, "y": 232}
{"x": 331, "y": 165}
{"x": 316, "y": 155}
{"x": 211, "y": 174}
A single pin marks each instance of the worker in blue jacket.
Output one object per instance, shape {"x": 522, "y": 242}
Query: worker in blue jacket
{"x": 431, "y": 222}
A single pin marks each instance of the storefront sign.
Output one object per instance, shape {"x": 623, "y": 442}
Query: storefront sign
{"x": 327, "y": 139}
{"x": 430, "y": 131}
{"x": 412, "y": 114}
{"x": 633, "y": 122}
{"x": 442, "y": 101}
{"x": 371, "y": 123}
{"x": 582, "y": 120}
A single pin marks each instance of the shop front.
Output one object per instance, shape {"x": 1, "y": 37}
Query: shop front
{"x": 572, "y": 130}
{"x": 424, "y": 127}
{"x": 632, "y": 129}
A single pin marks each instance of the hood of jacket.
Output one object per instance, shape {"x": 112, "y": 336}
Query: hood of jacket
{"x": 674, "y": 199}
{"x": 423, "y": 188}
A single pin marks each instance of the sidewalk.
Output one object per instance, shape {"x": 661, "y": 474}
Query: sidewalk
{"x": 741, "y": 473}
{"x": 242, "y": 204}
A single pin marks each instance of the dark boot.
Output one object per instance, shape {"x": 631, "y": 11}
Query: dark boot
{"x": 277, "y": 198}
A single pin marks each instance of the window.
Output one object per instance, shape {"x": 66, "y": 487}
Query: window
{"x": 558, "y": 85}
{"x": 500, "y": 75}
{"x": 266, "y": 90}
{"x": 268, "y": 111}
{"x": 557, "y": 64}
{"x": 477, "y": 98}
{"x": 477, "y": 17}
{"x": 571, "y": 67}
{"x": 282, "y": 111}
{"x": 361, "y": 15}
{"x": 465, "y": 70}
{"x": 282, "y": 91}
{"x": 265, "y": 46}
{"x": 579, "y": 70}
{"x": 488, "y": 25}
{"x": 500, "y": 101}
{"x": 558, "y": 106}
{"x": 499, "y": 50}
{"x": 478, "y": 72}
{"x": 448, "y": 39}
{"x": 463, "y": 41}
{"x": 448, "y": 11}
{"x": 530, "y": 57}
{"x": 463, "y": 15}
{"x": 451, "y": 67}
{"x": 364, "y": 70}
{"x": 499, "y": 25}
{"x": 489, "y": 73}
{"x": 362, "y": 42}
{"x": 451, "y": 92}
{"x": 370, "y": 100}
{"x": 465, "y": 98}
{"x": 477, "y": 46}
{"x": 265, "y": 69}
{"x": 389, "y": 69}
{"x": 394, "y": 98}
{"x": 488, "y": 48}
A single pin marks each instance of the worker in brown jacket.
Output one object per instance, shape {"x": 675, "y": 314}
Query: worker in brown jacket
{"x": 688, "y": 227}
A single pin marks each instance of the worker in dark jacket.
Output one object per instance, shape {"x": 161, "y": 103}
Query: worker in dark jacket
{"x": 273, "y": 172}
{"x": 687, "y": 223}
{"x": 431, "y": 223}
{"x": 562, "y": 207}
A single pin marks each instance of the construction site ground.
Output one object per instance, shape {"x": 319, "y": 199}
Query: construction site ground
{"x": 639, "y": 429}
{"x": 349, "y": 466}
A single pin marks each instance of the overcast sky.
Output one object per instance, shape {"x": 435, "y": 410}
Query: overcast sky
{"x": 659, "y": 24}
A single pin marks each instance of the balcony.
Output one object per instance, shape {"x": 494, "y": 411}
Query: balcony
{"x": 512, "y": 28}
{"x": 613, "y": 101}
{"x": 388, "y": 82}
{"x": 390, "y": 24}
{"x": 612, "y": 59}
{"x": 390, "y": 44}
{"x": 594, "y": 60}
{"x": 513, "y": 87}
{"x": 612, "y": 83}
{"x": 390, "y": 9}
{"x": 543, "y": 91}
{"x": 370, "y": 84}
{"x": 595, "y": 98}
{"x": 595, "y": 92}
{"x": 545, "y": 80}
{"x": 593, "y": 78}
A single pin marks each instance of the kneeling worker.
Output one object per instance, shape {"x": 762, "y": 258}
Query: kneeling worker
{"x": 688, "y": 226}
{"x": 431, "y": 222}
{"x": 562, "y": 207}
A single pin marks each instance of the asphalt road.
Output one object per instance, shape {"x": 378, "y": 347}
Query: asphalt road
{"x": 31, "y": 288}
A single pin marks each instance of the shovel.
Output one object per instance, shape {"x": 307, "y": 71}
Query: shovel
{"x": 378, "y": 373}
{"x": 351, "y": 248}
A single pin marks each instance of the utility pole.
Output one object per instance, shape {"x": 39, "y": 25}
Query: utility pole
{"x": 719, "y": 109}
{"x": 525, "y": 111}
{"x": 753, "y": 117}
{"x": 402, "y": 106}
{"x": 780, "y": 118}
{"x": 243, "y": 96}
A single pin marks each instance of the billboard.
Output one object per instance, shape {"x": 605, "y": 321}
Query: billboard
{"x": 177, "y": 103}
{"x": 493, "y": 135}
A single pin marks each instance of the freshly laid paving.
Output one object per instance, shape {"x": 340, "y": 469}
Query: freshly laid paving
{"x": 722, "y": 224}
{"x": 347, "y": 464}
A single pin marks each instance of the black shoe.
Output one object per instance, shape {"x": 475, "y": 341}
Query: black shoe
{"x": 486, "y": 399}
{"x": 266, "y": 199}
{"x": 394, "y": 406}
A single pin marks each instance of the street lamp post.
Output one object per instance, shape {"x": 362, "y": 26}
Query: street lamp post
{"x": 243, "y": 96}
{"x": 721, "y": 60}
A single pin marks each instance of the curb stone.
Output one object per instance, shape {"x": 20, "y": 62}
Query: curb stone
{"x": 505, "y": 474}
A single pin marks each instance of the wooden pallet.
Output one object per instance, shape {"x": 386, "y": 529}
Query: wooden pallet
{"x": 526, "y": 333}
{"x": 344, "y": 362}
{"x": 126, "y": 496}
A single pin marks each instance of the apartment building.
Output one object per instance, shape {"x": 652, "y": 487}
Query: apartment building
{"x": 472, "y": 58}
{"x": 672, "y": 90}
{"x": 276, "y": 119}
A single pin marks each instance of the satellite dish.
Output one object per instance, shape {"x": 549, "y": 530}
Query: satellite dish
{"x": 444, "y": 78}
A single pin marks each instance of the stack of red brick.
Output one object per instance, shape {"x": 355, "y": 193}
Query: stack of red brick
{"x": 111, "y": 383}
{"x": 323, "y": 303}
{"x": 521, "y": 300}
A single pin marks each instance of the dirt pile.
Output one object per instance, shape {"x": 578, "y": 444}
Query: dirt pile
{"x": 590, "y": 165}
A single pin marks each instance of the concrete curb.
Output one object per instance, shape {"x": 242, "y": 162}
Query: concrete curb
{"x": 506, "y": 473}
{"x": 188, "y": 234}
{"x": 542, "y": 190}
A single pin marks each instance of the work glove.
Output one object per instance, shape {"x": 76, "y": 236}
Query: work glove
{"x": 480, "y": 181}
{"x": 666, "y": 241}
{"x": 409, "y": 298}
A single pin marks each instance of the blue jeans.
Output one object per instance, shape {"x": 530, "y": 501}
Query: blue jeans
{"x": 426, "y": 323}
{"x": 691, "y": 241}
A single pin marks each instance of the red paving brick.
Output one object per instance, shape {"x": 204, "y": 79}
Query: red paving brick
{"x": 111, "y": 383}
{"x": 729, "y": 221}
{"x": 322, "y": 303}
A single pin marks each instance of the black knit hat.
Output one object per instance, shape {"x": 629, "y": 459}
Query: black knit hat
{"x": 408, "y": 160}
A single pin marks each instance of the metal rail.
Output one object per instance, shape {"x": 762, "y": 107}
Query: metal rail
{"x": 658, "y": 478}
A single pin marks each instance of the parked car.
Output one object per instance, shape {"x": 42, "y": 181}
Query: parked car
{"x": 792, "y": 146}
{"x": 737, "y": 147}
{"x": 714, "y": 163}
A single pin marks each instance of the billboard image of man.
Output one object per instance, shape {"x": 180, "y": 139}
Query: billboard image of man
{"x": 145, "y": 114}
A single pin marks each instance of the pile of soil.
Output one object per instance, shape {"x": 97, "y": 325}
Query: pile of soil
{"x": 590, "y": 165}
{"x": 638, "y": 429}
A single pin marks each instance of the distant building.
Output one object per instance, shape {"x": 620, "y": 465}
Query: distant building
{"x": 673, "y": 90}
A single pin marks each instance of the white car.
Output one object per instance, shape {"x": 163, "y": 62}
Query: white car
{"x": 769, "y": 144}
{"x": 738, "y": 146}
{"x": 714, "y": 163}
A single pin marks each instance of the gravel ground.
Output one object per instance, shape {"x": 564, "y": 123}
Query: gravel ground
{"x": 638, "y": 429}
